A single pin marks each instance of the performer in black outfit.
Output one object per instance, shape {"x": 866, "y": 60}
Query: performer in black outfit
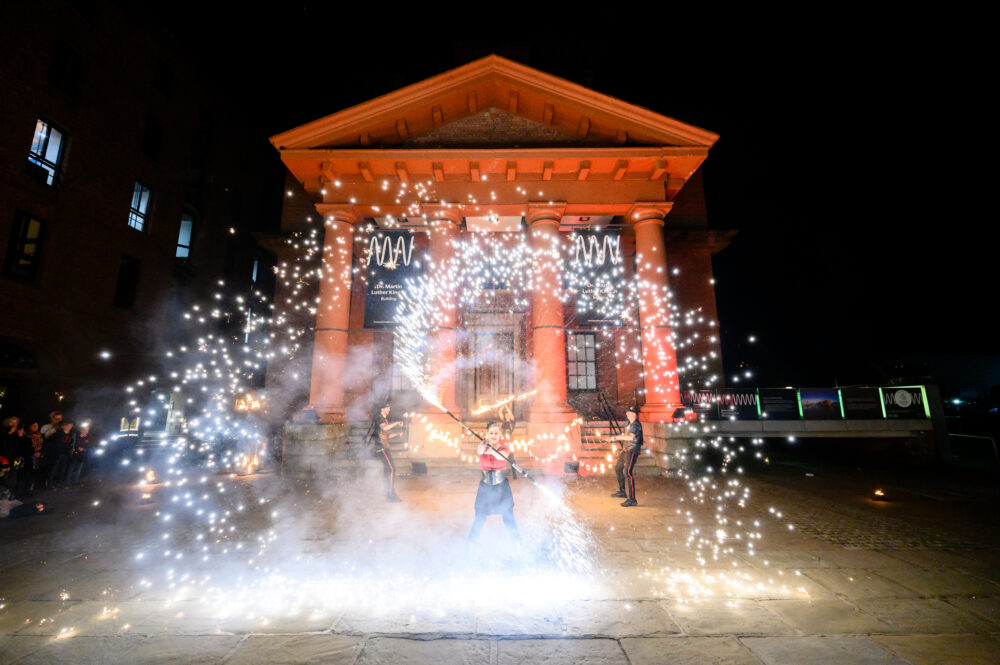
{"x": 631, "y": 440}
{"x": 379, "y": 435}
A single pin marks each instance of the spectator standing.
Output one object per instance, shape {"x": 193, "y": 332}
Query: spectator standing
{"x": 62, "y": 443}
{"x": 55, "y": 417}
{"x": 34, "y": 434}
{"x": 23, "y": 456}
{"x": 9, "y": 444}
{"x": 81, "y": 454}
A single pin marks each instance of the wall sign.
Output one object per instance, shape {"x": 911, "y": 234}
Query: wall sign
{"x": 595, "y": 270}
{"x": 391, "y": 260}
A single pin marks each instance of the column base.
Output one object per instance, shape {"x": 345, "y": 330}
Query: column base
{"x": 661, "y": 412}
{"x": 321, "y": 413}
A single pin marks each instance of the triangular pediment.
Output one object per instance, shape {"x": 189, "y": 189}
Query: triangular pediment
{"x": 493, "y": 128}
{"x": 498, "y": 103}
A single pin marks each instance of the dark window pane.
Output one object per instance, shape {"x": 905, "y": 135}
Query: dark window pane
{"x": 21, "y": 261}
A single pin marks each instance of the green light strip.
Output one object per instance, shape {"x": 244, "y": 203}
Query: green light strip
{"x": 881, "y": 401}
{"x": 840, "y": 399}
{"x": 798, "y": 398}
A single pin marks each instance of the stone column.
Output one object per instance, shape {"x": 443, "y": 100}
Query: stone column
{"x": 326, "y": 392}
{"x": 659, "y": 358}
{"x": 549, "y": 411}
{"x": 444, "y": 223}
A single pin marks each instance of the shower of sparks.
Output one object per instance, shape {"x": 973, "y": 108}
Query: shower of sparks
{"x": 215, "y": 539}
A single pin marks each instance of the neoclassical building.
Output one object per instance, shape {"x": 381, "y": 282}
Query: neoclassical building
{"x": 499, "y": 147}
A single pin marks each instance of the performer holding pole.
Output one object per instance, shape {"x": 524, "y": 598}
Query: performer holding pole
{"x": 380, "y": 433}
{"x": 494, "y": 496}
{"x": 631, "y": 440}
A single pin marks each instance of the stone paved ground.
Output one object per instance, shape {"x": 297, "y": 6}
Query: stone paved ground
{"x": 915, "y": 580}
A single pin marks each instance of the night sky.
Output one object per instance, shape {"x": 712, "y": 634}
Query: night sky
{"x": 847, "y": 163}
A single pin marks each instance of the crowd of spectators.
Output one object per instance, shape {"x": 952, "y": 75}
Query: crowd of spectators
{"x": 36, "y": 458}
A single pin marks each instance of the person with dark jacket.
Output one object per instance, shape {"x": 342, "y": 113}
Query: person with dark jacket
{"x": 81, "y": 454}
{"x": 379, "y": 435}
{"x": 23, "y": 456}
{"x": 60, "y": 452}
{"x": 631, "y": 440}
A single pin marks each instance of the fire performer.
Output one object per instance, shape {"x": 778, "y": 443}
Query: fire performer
{"x": 631, "y": 440}
{"x": 380, "y": 433}
{"x": 494, "y": 496}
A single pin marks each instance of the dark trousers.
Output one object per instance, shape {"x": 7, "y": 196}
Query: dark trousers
{"x": 390, "y": 469}
{"x": 623, "y": 469}
{"x": 508, "y": 519}
{"x": 57, "y": 475}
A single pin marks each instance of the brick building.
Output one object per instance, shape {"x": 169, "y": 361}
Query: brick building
{"x": 522, "y": 156}
{"x": 128, "y": 185}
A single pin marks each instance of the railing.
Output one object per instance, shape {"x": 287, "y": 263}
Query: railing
{"x": 609, "y": 413}
{"x": 833, "y": 403}
{"x": 993, "y": 441}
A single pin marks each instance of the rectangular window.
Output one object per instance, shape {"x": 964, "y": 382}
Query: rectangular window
{"x": 184, "y": 236}
{"x": 128, "y": 282}
{"x": 21, "y": 261}
{"x": 46, "y": 151}
{"x": 140, "y": 207}
{"x": 581, "y": 361}
{"x": 399, "y": 380}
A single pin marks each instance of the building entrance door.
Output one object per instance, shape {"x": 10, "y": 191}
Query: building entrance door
{"x": 493, "y": 366}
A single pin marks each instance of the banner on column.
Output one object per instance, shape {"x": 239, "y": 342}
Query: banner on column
{"x": 861, "y": 403}
{"x": 703, "y": 402}
{"x": 779, "y": 403}
{"x": 390, "y": 262}
{"x": 905, "y": 402}
{"x": 596, "y": 271}
{"x": 738, "y": 404}
{"x": 820, "y": 404}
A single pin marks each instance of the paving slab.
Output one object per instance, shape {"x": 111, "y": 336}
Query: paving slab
{"x": 299, "y": 623}
{"x": 396, "y": 651}
{"x": 407, "y": 622}
{"x": 615, "y": 618}
{"x": 858, "y": 583}
{"x": 86, "y": 651}
{"x": 726, "y": 617}
{"x": 13, "y": 647}
{"x": 190, "y": 650}
{"x": 924, "y": 615}
{"x": 940, "y": 581}
{"x": 943, "y": 649}
{"x": 821, "y": 650}
{"x": 857, "y": 558}
{"x": 593, "y": 651}
{"x": 687, "y": 651}
{"x": 315, "y": 649}
{"x": 38, "y": 617}
{"x": 824, "y": 616}
{"x": 984, "y": 607}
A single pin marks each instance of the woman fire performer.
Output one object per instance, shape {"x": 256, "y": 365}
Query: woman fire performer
{"x": 494, "y": 496}
{"x": 380, "y": 433}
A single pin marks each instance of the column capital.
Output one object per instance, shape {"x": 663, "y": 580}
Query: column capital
{"x": 648, "y": 211}
{"x": 545, "y": 212}
{"x": 443, "y": 212}
{"x": 339, "y": 212}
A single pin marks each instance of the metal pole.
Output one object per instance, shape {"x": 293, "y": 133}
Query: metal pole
{"x": 475, "y": 434}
